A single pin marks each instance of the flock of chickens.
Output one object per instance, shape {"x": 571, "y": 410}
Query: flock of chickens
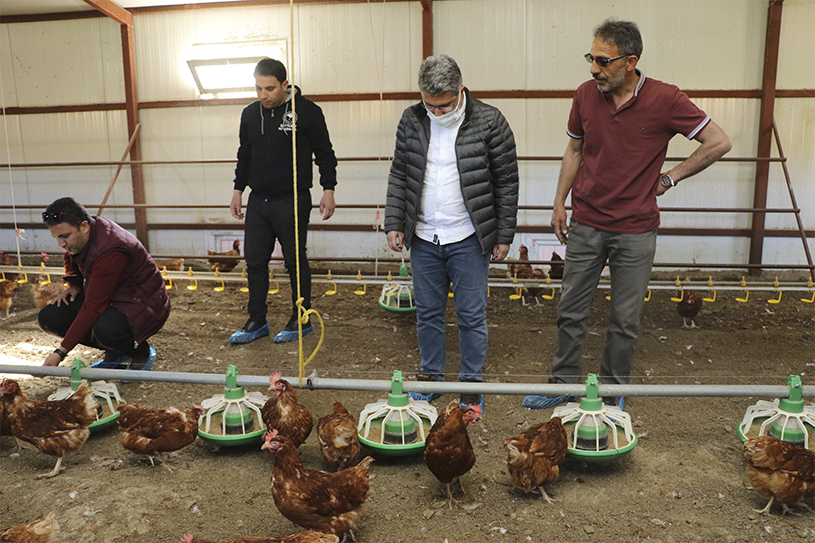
{"x": 688, "y": 307}
{"x": 329, "y": 504}
{"x": 43, "y": 290}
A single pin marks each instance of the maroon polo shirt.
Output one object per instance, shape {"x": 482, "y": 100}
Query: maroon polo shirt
{"x": 624, "y": 150}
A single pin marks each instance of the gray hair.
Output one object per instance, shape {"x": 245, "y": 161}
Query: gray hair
{"x": 624, "y": 34}
{"x": 439, "y": 74}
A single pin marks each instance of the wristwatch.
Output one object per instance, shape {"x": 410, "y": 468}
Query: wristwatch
{"x": 668, "y": 181}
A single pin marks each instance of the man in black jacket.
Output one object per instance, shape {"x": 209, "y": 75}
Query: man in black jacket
{"x": 453, "y": 201}
{"x": 265, "y": 165}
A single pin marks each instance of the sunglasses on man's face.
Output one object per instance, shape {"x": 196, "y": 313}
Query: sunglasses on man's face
{"x": 601, "y": 61}
{"x": 51, "y": 216}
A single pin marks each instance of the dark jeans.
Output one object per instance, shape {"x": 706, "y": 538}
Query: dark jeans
{"x": 266, "y": 222}
{"x": 111, "y": 332}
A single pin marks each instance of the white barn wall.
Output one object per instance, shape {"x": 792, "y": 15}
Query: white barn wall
{"x": 350, "y": 48}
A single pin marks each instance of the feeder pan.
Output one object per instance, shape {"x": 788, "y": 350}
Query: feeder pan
{"x": 786, "y": 419}
{"x": 397, "y": 426}
{"x": 398, "y": 298}
{"x": 102, "y": 392}
{"x": 596, "y": 427}
{"x": 239, "y": 411}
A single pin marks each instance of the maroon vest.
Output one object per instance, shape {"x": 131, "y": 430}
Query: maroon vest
{"x": 139, "y": 292}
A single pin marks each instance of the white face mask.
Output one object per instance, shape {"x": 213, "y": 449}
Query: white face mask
{"x": 446, "y": 120}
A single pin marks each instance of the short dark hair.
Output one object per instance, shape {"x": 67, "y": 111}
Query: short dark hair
{"x": 624, "y": 34}
{"x": 66, "y": 210}
{"x": 439, "y": 74}
{"x": 271, "y": 67}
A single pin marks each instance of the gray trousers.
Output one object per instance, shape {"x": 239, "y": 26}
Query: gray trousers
{"x": 630, "y": 257}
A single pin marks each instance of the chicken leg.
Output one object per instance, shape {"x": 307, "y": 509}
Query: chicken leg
{"x": 53, "y": 472}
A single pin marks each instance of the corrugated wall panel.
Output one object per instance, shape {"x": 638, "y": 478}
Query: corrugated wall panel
{"x": 65, "y": 62}
{"x": 560, "y": 33}
{"x": 716, "y": 44}
{"x": 328, "y": 58}
{"x": 487, "y": 39}
{"x": 162, "y": 48}
{"x": 358, "y": 47}
{"x": 797, "y": 48}
{"x": 9, "y": 95}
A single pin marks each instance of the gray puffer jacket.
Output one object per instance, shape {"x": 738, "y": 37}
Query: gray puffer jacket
{"x": 487, "y": 165}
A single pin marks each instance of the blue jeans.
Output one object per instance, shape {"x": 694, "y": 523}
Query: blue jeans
{"x": 630, "y": 257}
{"x": 434, "y": 267}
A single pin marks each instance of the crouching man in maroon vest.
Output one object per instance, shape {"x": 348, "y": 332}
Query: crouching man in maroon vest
{"x": 116, "y": 299}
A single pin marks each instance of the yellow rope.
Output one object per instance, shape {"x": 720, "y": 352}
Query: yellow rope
{"x": 302, "y": 314}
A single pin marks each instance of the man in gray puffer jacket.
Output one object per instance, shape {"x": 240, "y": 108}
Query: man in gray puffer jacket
{"x": 453, "y": 201}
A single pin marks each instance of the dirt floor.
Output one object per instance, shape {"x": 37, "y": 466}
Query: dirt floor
{"x": 684, "y": 481}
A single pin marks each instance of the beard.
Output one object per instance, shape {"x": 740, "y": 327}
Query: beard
{"x": 612, "y": 83}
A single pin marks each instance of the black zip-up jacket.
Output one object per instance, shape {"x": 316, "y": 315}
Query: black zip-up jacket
{"x": 487, "y": 166}
{"x": 265, "y": 152}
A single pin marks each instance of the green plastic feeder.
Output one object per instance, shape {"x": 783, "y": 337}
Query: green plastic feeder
{"x": 787, "y": 419}
{"x": 398, "y": 298}
{"x": 104, "y": 394}
{"x": 238, "y": 411}
{"x": 599, "y": 433}
{"x": 397, "y": 426}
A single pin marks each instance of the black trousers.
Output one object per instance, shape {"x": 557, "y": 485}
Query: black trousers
{"x": 266, "y": 222}
{"x": 111, "y": 332}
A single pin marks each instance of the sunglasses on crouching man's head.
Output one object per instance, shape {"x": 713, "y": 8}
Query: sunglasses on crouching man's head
{"x": 601, "y": 61}
{"x": 52, "y": 216}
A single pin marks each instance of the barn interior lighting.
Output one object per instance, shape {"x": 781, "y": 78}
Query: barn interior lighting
{"x": 223, "y": 70}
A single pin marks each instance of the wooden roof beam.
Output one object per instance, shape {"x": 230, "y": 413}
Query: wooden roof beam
{"x": 112, "y": 10}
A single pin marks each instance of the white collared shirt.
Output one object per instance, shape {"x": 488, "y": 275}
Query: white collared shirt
{"x": 443, "y": 217}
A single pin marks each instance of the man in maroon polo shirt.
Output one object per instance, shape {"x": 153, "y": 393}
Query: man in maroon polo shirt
{"x": 620, "y": 125}
{"x": 116, "y": 298}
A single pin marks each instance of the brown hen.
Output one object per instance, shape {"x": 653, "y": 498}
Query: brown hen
{"x": 689, "y": 307}
{"x": 526, "y": 271}
{"x": 337, "y": 433}
{"x": 302, "y": 537}
{"x": 171, "y": 265}
{"x": 155, "y": 430}
{"x": 556, "y": 268}
{"x": 44, "y": 530}
{"x": 227, "y": 260}
{"x": 520, "y": 270}
{"x": 448, "y": 452}
{"x": 282, "y": 411}
{"x": 9, "y": 286}
{"x": 55, "y": 428}
{"x": 533, "y": 456}
{"x": 316, "y": 500}
{"x": 780, "y": 471}
{"x": 43, "y": 290}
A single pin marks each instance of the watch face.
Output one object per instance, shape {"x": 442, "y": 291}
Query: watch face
{"x": 666, "y": 181}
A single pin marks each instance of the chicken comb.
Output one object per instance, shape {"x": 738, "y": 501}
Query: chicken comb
{"x": 475, "y": 409}
{"x": 270, "y": 435}
{"x": 187, "y": 539}
{"x": 274, "y": 378}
